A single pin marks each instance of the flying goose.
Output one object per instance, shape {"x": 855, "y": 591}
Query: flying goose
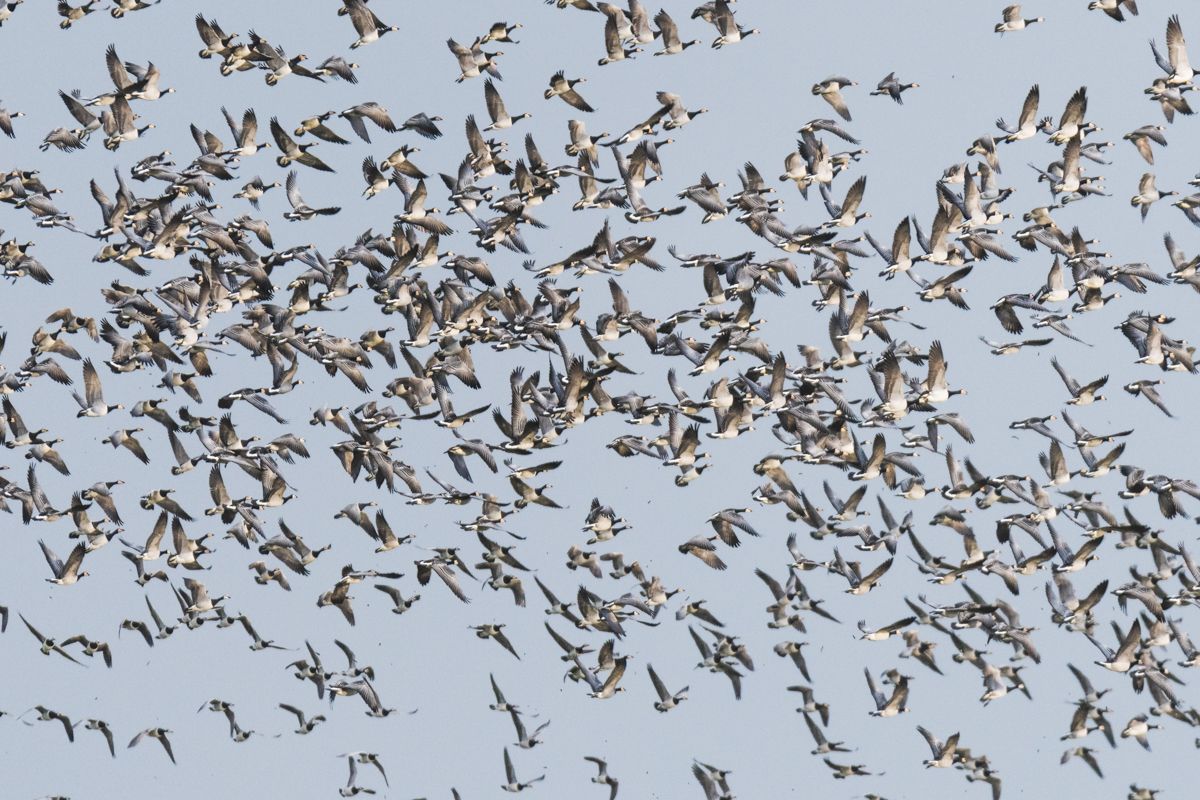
{"x": 91, "y": 647}
{"x": 306, "y": 723}
{"x": 72, "y": 14}
{"x": 1114, "y": 8}
{"x": 6, "y": 118}
{"x": 513, "y": 785}
{"x": 602, "y": 777}
{"x": 1014, "y": 21}
{"x": 1080, "y": 395}
{"x": 155, "y": 733}
{"x": 728, "y": 28}
{"x": 65, "y": 574}
{"x": 669, "y": 32}
{"x": 46, "y": 645}
{"x": 1027, "y": 122}
{"x": 300, "y": 210}
{"x": 500, "y": 117}
{"x": 525, "y": 741}
{"x": 1179, "y": 71}
{"x": 289, "y": 151}
{"x": 560, "y": 86}
{"x": 352, "y": 788}
{"x": 830, "y": 90}
{"x": 7, "y": 9}
{"x": 893, "y": 88}
{"x": 1143, "y": 137}
{"x": 49, "y": 715}
{"x": 666, "y": 700}
{"x": 368, "y": 758}
{"x": 494, "y": 631}
{"x": 368, "y": 26}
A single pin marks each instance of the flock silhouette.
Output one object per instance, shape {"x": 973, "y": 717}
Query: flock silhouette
{"x": 852, "y": 436}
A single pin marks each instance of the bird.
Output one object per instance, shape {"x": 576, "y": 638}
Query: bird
{"x": 1014, "y": 21}
{"x": 512, "y": 784}
{"x": 893, "y": 88}
{"x": 159, "y": 734}
{"x": 563, "y": 87}
{"x": 602, "y": 777}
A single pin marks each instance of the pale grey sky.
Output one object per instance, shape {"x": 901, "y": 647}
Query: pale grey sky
{"x": 758, "y": 94}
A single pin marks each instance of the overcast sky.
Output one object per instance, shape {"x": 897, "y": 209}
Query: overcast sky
{"x": 427, "y": 661}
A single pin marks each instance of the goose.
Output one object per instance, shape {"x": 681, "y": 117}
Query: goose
{"x": 125, "y": 438}
{"x": 1014, "y": 21}
{"x": 47, "y": 645}
{"x": 65, "y": 574}
{"x": 1027, "y": 122}
{"x": 943, "y": 287}
{"x": 730, "y": 32}
{"x": 563, "y": 87}
{"x": 846, "y": 215}
{"x": 843, "y": 771}
{"x": 1085, "y": 754}
{"x": 893, "y": 88}
{"x": 91, "y": 647}
{"x": 49, "y": 715}
{"x": 500, "y": 117}
{"x": 1145, "y": 388}
{"x": 368, "y": 111}
{"x": 423, "y": 124}
{"x": 830, "y": 91}
{"x": 1148, "y": 194}
{"x": 702, "y": 548}
{"x": 290, "y": 151}
{"x": 1138, "y": 728}
{"x": 1081, "y": 395}
{"x": 884, "y": 633}
{"x": 602, "y": 777}
{"x": 669, "y": 32}
{"x": 368, "y": 758}
{"x": 615, "y": 50}
{"x": 666, "y": 699}
{"x": 300, "y": 210}
{"x": 1179, "y": 71}
{"x": 1114, "y": 8}
{"x": 609, "y": 688}
{"x": 307, "y": 724}
{"x": 525, "y": 741}
{"x": 501, "y": 32}
{"x": 119, "y": 125}
{"x": 513, "y": 785}
{"x": 1143, "y": 137}
{"x": 1071, "y": 124}
{"x": 72, "y": 14}
{"x": 368, "y": 26}
{"x": 6, "y": 118}
{"x": 244, "y": 135}
{"x": 102, "y": 726}
{"x": 122, "y": 7}
{"x": 1171, "y": 99}
{"x": 1009, "y": 348}
{"x": 159, "y": 734}
{"x": 352, "y": 788}
{"x": 216, "y": 41}
{"x": 7, "y": 9}
{"x": 473, "y": 61}
{"x": 494, "y": 631}
{"x": 317, "y": 127}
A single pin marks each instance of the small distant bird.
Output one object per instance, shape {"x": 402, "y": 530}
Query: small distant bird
{"x": 893, "y": 88}
{"x": 1014, "y": 21}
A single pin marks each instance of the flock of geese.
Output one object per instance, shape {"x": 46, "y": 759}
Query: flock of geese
{"x": 204, "y": 283}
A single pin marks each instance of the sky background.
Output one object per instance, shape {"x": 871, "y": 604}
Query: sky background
{"x": 758, "y": 95}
